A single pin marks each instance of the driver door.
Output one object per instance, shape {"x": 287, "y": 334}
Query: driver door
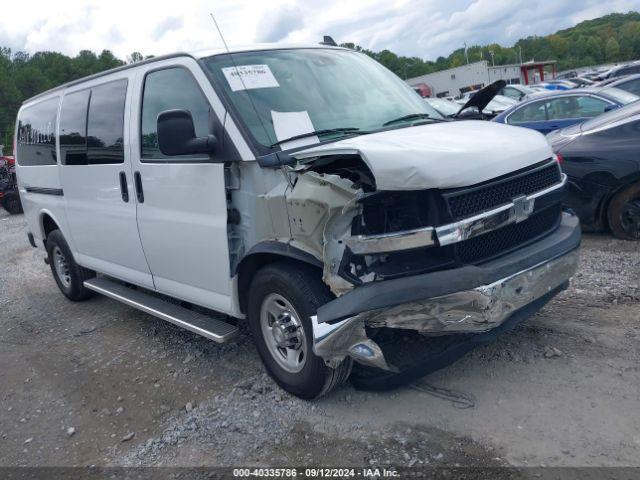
{"x": 181, "y": 200}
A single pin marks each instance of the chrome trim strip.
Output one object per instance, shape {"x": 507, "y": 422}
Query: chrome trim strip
{"x": 513, "y": 212}
{"x": 389, "y": 242}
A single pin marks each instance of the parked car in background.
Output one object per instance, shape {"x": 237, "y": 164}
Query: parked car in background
{"x": 9, "y": 195}
{"x": 628, "y": 83}
{"x": 554, "y": 86}
{"x": 556, "y": 110}
{"x": 446, "y": 108}
{"x": 622, "y": 70}
{"x": 581, "y": 82}
{"x": 601, "y": 158}
{"x": 497, "y": 104}
{"x": 608, "y": 81}
{"x": 481, "y": 104}
{"x": 562, "y": 84}
{"x": 516, "y": 92}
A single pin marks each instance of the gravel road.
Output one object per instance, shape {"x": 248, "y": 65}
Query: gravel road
{"x": 98, "y": 383}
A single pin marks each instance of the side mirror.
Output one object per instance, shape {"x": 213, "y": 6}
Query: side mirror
{"x": 608, "y": 108}
{"x": 177, "y": 135}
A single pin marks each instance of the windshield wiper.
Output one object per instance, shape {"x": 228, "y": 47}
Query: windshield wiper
{"x": 411, "y": 116}
{"x": 349, "y": 130}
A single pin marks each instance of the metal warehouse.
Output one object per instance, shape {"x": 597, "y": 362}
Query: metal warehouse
{"x": 454, "y": 81}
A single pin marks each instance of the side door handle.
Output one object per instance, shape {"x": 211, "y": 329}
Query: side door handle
{"x": 137, "y": 180}
{"x": 124, "y": 189}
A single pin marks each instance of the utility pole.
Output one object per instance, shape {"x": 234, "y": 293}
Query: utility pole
{"x": 520, "y": 49}
{"x": 466, "y": 54}
{"x": 493, "y": 63}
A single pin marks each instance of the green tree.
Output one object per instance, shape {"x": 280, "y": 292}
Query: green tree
{"x": 612, "y": 50}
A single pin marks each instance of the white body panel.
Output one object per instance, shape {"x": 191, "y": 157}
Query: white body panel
{"x": 36, "y": 205}
{"x": 441, "y": 155}
{"x": 183, "y": 220}
{"x": 102, "y": 225}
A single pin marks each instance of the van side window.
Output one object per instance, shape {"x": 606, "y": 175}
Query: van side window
{"x": 168, "y": 89}
{"x": 105, "y": 124}
{"x": 92, "y": 125}
{"x": 36, "y": 142}
{"x": 73, "y": 128}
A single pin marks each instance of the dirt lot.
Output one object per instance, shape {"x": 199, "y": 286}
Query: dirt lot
{"x": 100, "y": 383}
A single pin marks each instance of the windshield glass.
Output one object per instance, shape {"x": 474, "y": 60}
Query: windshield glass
{"x": 620, "y": 95}
{"x": 611, "y": 116}
{"x": 306, "y": 90}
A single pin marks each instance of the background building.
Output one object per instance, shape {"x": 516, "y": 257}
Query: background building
{"x": 458, "y": 80}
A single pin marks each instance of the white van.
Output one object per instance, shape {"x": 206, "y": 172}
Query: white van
{"x": 307, "y": 190}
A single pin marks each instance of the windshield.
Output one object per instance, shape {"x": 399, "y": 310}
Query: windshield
{"x": 621, "y": 96}
{"x": 297, "y": 91}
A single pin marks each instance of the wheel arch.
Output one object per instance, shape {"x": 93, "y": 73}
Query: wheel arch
{"x": 47, "y": 223}
{"x": 263, "y": 254}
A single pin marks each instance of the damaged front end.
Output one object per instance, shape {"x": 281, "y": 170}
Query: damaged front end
{"x": 435, "y": 261}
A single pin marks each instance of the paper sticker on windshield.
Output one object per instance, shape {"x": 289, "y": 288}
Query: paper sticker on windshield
{"x": 247, "y": 77}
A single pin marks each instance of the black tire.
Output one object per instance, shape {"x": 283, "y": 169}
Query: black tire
{"x": 623, "y": 213}
{"x": 73, "y": 285}
{"x": 302, "y": 287}
{"x": 11, "y": 203}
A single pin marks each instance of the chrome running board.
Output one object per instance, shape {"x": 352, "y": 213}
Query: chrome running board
{"x": 195, "y": 322}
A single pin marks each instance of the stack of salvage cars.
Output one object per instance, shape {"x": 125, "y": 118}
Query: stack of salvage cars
{"x": 313, "y": 195}
{"x": 9, "y": 196}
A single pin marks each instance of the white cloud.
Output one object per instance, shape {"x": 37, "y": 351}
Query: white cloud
{"x": 424, "y": 28}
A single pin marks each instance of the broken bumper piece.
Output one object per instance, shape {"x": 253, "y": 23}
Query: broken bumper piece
{"x": 471, "y": 310}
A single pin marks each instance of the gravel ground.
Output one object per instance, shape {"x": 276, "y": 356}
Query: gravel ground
{"x": 98, "y": 383}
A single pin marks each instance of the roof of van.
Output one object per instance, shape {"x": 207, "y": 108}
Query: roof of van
{"x": 196, "y": 55}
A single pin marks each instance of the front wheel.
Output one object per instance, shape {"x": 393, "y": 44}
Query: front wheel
{"x": 283, "y": 297}
{"x": 624, "y": 213}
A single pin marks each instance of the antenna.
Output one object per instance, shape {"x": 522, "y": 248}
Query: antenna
{"x": 226, "y": 47}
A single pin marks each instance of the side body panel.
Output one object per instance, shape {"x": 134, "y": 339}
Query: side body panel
{"x": 182, "y": 219}
{"x": 103, "y": 226}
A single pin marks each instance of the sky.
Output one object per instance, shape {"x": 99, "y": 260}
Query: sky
{"x": 422, "y": 28}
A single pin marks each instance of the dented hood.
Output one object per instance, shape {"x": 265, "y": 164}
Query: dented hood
{"x": 440, "y": 155}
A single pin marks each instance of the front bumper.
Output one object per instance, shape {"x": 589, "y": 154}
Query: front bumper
{"x": 465, "y": 300}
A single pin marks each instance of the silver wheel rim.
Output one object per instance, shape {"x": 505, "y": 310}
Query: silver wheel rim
{"x": 283, "y": 333}
{"x": 61, "y": 266}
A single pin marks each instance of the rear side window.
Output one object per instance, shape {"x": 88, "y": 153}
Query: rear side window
{"x": 73, "y": 128}
{"x": 92, "y": 125}
{"x": 105, "y": 124}
{"x": 36, "y": 142}
{"x": 534, "y": 112}
{"x": 168, "y": 89}
{"x": 575, "y": 106}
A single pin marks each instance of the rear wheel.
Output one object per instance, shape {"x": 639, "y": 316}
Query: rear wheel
{"x": 624, "y": 213}
{"x": 284, "y": 295}
{"x": 11, "y": 203}
{"x": 67, "y": 273}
